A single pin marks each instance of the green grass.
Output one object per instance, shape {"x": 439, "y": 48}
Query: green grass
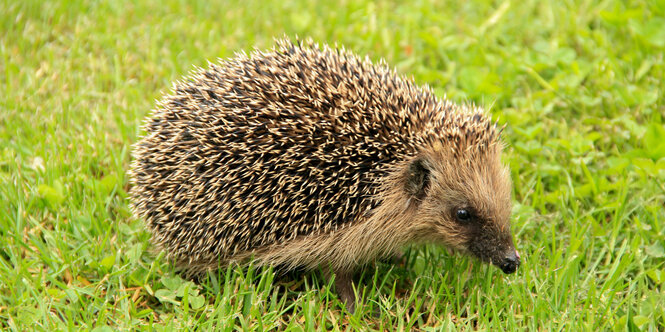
{"x": 580, "y": 85}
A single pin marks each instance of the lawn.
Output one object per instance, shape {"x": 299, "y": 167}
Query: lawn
{"x": 579, "y": 85}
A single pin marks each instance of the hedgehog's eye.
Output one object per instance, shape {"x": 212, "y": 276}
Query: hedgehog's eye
{"x": 463, "y": 215}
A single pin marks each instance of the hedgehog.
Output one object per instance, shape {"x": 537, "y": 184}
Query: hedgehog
{"x": 307, "y": 156}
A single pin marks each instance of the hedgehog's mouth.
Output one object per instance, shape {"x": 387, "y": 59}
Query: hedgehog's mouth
{"x": 509, "y": 263}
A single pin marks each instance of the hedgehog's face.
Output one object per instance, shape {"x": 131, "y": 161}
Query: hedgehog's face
{"x": 466, "y": 207}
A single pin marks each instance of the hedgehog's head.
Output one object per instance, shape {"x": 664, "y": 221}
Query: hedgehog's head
{"x": 460, "y": 191}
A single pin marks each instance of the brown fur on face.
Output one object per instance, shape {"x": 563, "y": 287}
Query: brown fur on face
{"x": 479, "y": 184}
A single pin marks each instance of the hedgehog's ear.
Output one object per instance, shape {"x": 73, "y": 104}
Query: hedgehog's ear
{"x": 417, "y": 178}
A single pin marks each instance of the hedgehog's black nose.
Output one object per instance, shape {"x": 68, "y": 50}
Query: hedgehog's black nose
{"x": 510, "y": 263}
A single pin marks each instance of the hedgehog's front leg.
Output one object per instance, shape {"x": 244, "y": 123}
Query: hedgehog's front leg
{"x": 344, "y": 287}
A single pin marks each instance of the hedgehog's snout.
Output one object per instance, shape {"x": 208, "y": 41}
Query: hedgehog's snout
{"x": 510, "y": 263}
